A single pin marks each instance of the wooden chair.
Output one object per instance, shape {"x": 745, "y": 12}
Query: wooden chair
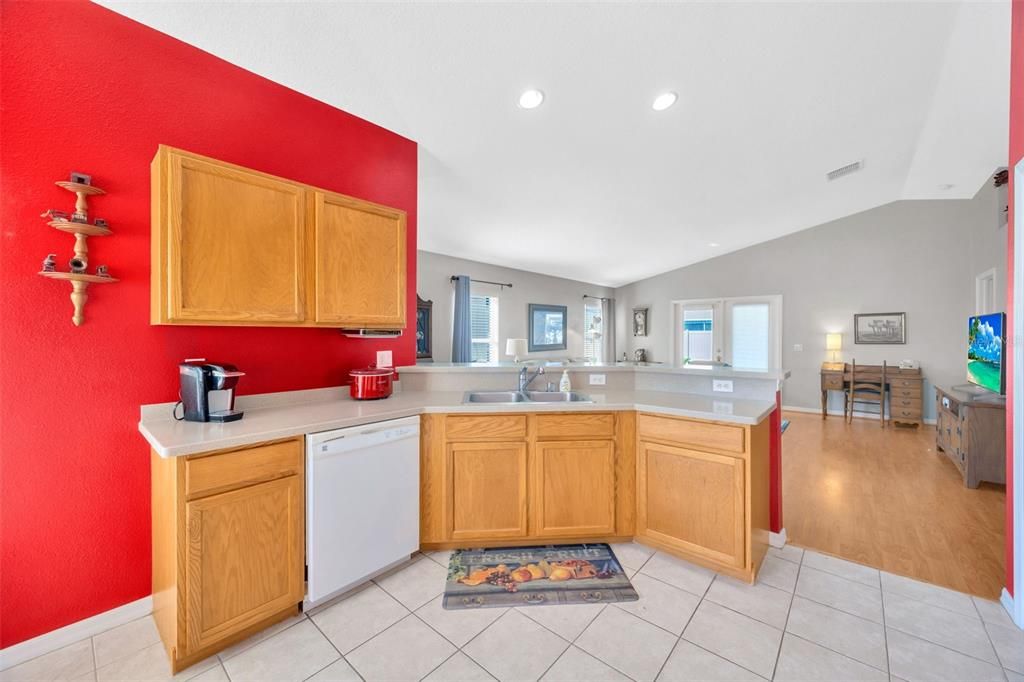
{"x": 867, "y": 385}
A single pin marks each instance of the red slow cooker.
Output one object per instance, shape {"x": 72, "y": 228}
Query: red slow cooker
{"x": 371, "y": 383}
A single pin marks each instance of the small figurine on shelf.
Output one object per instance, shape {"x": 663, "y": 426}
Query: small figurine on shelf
{"x": 78, "y": 265}
{"x": 54, "y": 214}
{"x": 100, "y": 222}
{"x": 81, "y": 178}
{"x": 79, "y": 217}
{"x": 101, "y": 271}
{"x": 50, "y": 263}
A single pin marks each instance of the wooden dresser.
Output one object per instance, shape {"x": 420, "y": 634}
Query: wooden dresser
{"x": 971, "y": 429}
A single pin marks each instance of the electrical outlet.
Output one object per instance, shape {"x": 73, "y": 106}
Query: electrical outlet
{"x": 597, "y": 379}
{"x": 384, "y": 358}
{"x": 798, "y": 347}
{"x": 721, "y": 407}
{"x": 722, "y": 385}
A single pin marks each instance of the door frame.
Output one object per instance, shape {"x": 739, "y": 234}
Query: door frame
{"x": 721, "y": 306}
{"x": 1015, "y": 506}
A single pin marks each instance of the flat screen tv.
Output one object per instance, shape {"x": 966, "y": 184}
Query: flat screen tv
{"x": 986, "y": 336}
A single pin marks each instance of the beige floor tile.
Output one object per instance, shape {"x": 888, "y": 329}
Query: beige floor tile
{"x": 250, "y": 642}
{"x": 415, "y": 584}
{"x": 860, "y": 639}
{"x": 629, "y": 644}
{"x": 678, "y": 573}
{"x": 124, "y": 640}
{"x": 690, "y": 663}
{"x": 516, "y": 648}
{"x": 946, "y": 628}
{"x": 148, "y": 664}
{"x": 457, "y": 626}
{"x": 355, "y": 620}
{"x": 993, "y": 612}
{"x": 761, "y": 602}
{"x": 440, "y": 557}
{"x": 214, "y": 674}
{"x": 339, "y": 671}
{"x": 915, "y": 659}
{"x": 840, "y": 593}
{"x": 408, "y": 650}
{"x": 744, "y": 641}
{"x": 577, "y": 665}
{"x": 565, "y": 620}
{"x": 632, "y": 554}
{"x": 661, "y": 604}
{"x": 929, "y": 594}
{"x": 778, "y": 573}
{"x": 1012, "y": 676}
{"x": 1009, "y": 643}
{"x": 87, "y": 677}
{"x": 73, "y": 660}
{"x": 459, "y": 668}
{"x": 789, "y": 553}
{"x": 844, "y": 569}
{"x": 806, "y": 661}
{"x": 292, "y": 654}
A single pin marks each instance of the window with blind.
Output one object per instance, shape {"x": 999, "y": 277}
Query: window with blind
{"x": 483, "y": 320}
{"x": 745, "y": 333}
{"x": 593, "y": 330}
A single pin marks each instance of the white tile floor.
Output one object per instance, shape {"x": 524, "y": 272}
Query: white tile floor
{"x": 811, "y": 617}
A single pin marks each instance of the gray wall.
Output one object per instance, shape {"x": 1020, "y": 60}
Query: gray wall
{"x": 920, "y": 257}
{"x": 432, "y": 283}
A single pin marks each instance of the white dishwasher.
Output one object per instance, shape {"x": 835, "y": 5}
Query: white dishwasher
{"x": 362, "y": 503}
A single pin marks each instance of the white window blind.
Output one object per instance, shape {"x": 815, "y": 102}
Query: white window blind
{"x": 483, "y": 320}
{"x": 593, "y": 330}
{"x": 751, "y": 335}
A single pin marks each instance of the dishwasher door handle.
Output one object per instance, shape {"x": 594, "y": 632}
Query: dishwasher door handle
{"x": 363, "y": 439}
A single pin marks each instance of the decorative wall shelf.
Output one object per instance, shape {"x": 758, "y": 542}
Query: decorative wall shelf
{"x": 80, "y": 281}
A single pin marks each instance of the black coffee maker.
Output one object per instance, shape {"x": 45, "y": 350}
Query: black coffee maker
{"x": 208, "y": 391}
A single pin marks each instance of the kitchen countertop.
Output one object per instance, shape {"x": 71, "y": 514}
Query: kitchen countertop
{"x": 695, "y": 370}
{"x": 171, "y": 438}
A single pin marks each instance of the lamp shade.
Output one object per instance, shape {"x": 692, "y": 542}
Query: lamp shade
{"x": 833, "y": 341}
{"x": 516, "y": 348}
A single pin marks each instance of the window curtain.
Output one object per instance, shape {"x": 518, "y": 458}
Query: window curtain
{"x": 462, "y": 339}
{"x": 608, "y": 333}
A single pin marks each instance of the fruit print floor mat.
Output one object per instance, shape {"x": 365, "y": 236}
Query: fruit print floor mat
{"x": 533, "y": 576}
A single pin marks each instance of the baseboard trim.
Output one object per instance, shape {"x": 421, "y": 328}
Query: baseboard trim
{"x": 777, "y": 540}
{"x": 1006, "y": 599}
{"x": 839, "y": 413}
{"x": 17, "y": 654}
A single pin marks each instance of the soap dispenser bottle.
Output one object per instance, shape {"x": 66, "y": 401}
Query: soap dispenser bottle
{"x": 564, "y": 385}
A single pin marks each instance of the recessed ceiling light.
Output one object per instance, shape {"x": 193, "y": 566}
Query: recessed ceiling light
{"x": 714, "y": 245}
{"x": 531, "y": 99}
{"x": 664, "y": 101}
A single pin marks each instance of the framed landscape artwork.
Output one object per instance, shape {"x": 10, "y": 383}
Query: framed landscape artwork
{"x": 880, "y": 328}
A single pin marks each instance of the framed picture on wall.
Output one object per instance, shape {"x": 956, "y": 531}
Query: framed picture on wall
{"x": 547, "y": 327}
{"x": 640, "y": 321}
{"x": 424, "y": 342}
{"x": 880, "y": 328}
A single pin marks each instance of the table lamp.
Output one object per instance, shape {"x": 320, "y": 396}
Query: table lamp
{"x": 833, "y": 342}
{"x": 516, "y": 348}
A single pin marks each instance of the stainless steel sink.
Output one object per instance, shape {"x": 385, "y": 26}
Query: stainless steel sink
{"x": 494, "y": 397}
{"x": 558, "y": 397}
{"x": 513, "y": 397}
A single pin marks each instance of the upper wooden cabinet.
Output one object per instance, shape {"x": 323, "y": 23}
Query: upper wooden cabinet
{"x": 360, "y": 263}
{"x": 233, "y": 246}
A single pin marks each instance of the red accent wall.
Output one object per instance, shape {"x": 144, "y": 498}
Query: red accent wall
{"x": 1016, "y": 153}
{"x": 85, "y": 89}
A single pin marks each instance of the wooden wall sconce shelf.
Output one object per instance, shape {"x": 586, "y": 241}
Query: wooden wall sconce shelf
{"x": 80, "y": 281}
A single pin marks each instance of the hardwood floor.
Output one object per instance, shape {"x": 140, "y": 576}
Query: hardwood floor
{"x": 886, "y": 498}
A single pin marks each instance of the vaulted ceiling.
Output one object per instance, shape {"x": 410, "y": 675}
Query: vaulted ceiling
{"x": 594, "y": 184}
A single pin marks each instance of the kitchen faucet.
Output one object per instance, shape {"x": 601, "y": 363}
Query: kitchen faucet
{"x": 525, "y": 378}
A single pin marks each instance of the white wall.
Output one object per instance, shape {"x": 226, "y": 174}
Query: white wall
{"x": 433, "y": 272}
{"x": 919, "y": 257}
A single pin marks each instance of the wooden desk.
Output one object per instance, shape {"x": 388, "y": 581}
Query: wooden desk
{"x": 904, "y": 388}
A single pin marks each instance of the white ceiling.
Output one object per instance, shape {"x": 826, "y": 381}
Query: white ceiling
{"x": 595, "y": 185}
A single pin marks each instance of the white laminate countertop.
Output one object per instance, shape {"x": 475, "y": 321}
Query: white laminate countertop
{"x": 170, "y": 438}
{"x": 646, "y": 367}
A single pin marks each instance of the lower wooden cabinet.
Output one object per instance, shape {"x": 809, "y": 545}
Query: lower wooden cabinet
{"x": 573, "y": 488}
{"x": 228, "y": 545}
{"x": 485, "y": 489}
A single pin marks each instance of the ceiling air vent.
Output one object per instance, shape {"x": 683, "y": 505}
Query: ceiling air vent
{"x": 844, "y": 170}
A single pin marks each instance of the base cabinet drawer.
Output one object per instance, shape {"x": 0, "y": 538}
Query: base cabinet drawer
{"x": 692, "y": 501}
{"x": 698, "y": 434}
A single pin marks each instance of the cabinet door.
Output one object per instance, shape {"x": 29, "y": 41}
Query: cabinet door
{"x": 359, "y": 263}
{"x": 573, "y": 488}
{"x": 692, "y": 501}
{"x": 233, "y": 245}
{"x": 486, "y": 490}
{"x": 244, "y": 558}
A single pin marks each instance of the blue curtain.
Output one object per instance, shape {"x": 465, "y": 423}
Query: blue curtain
{"x": 462, "y": 339}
